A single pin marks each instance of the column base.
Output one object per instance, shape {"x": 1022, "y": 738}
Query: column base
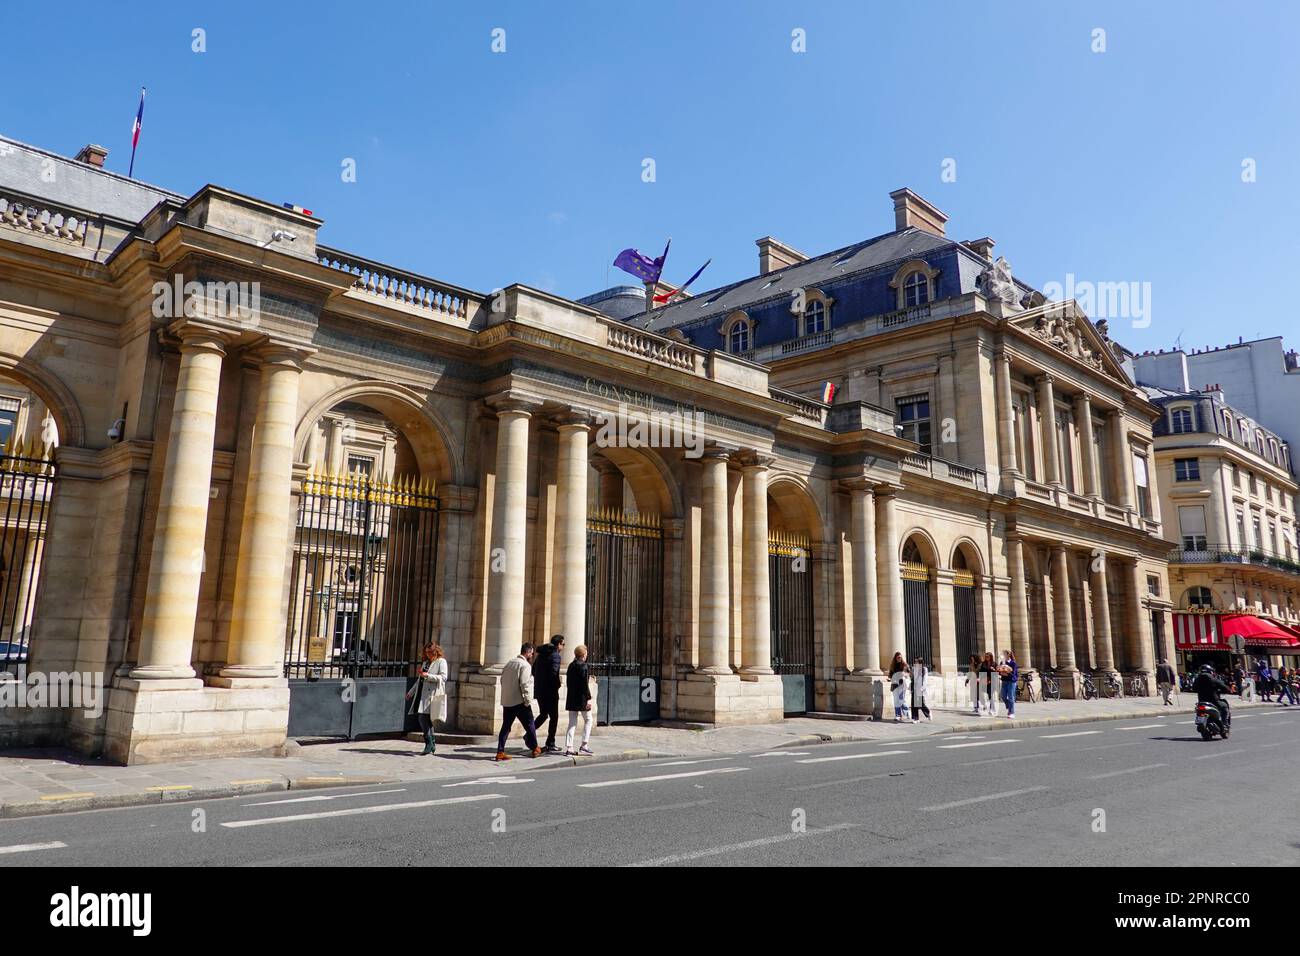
{"x": 1071, "y": 683}
{"x": 726, "y": 699}
{"x": 861, "y": 693}
{"x": 156, "y": 720}
{"x": 254, "y": 671}
{"x": 163, "y": 672}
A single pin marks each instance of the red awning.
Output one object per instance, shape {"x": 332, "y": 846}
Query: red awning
{"x": 1258, "y": 631}
{"x": 1198, "y": 632}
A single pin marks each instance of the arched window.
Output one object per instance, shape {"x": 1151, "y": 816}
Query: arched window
{"x": 916, "y": 290}
{"x": 1181, "y": 421}
{"x": 814, "y": 317}
{"x": 1198, "y": 597}
{"x": 739, "y": 339}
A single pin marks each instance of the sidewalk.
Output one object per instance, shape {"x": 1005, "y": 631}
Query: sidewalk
{"x": 36, "y": 782}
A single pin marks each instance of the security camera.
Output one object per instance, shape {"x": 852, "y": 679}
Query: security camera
{"x": 280, "y": 235}
{"x": 115, "y": 430}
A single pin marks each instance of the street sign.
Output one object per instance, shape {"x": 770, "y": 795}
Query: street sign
{"x": 1236, "y": 644}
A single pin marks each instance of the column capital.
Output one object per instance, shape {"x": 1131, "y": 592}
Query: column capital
{"x": 192, "y": 335}
{"x": 1044, "y": 378}
{"x": 512, "y": 402}
{"x": 750, "y": 459}
{"x": 279, "y": 354}
{"x": 887, "y": 489}
{"x": 1060, "y": 547}
{"x": 573, "y": 418}
{"x": 857, "y": 484}
{"x": 716, "y": 452}
{"x": 1083, "y": 398}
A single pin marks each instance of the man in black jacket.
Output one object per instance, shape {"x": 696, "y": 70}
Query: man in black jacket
{"x": 1209, "y": 689}
{"x": 1165, "y": 678}
{"x": 546, "y": 688}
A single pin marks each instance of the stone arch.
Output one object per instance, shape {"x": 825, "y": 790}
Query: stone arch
{"x": 925, "y": 545}
{"x": 969, "y": 553}
{"x": 419, "y": 422}
{"x": 51, "y": 390}
{"x": 647, "y": 475}
{"x": 796, "y": 506}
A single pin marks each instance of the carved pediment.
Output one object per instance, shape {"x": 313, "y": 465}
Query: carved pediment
{"x": 1064, "y": 327}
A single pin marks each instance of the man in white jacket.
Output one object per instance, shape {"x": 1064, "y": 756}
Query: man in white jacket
{"x": 517, "y": 701}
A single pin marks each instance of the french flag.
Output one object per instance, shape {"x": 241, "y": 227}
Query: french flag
{"x": 828, "y": 393}
{"x": 135, "y": 132}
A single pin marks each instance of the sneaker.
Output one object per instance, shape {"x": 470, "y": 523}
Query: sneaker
{"x": 535, "y": 752}
{"x": 502, "y": 755}
{"x": 1011, "y": 716}
{"x": 585, "y": 751}
{"x": 570, "y": 753}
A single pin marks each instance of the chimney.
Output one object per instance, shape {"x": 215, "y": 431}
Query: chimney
{"x": 774, "y": 254}
{"x": 911, "y": 210}
{"x": 92, "y": 155}
{"x": 981, "y": 247}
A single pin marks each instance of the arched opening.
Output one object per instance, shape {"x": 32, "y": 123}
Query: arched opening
{"x": 363, "y": 598}
{"x": 793, "y": 580}
{"x": 29, "y": 434}
{"x": 967, "y": 581}
{"x": 629, "y": 494}
{"x": 917, "y": 569}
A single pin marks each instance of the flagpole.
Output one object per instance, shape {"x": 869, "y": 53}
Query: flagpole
{"x": 135, "y": 134}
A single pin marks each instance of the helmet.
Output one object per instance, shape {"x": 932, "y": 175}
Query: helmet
{"x": 1207, "y": 668}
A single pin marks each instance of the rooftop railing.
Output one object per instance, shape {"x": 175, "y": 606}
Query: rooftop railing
{"x": 399, "y": 286}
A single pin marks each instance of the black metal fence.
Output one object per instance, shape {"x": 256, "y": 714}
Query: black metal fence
{"x": 918, "y": 632}
{"x": 361, "y": 602}
{"x": 963, "y": 604}
{"x": 790, "y": 586}
{"x": 27, "y": 480}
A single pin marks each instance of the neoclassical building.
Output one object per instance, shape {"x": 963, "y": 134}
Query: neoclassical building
{"x": 282, "y": 468}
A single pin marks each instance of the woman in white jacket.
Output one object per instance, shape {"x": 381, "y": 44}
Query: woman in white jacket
{"x": 430, "y": 694}
{"x": 898, "y": 683}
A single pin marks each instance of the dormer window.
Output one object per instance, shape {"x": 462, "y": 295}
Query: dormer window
{"x": 914, "y": 283}
{"x": 916, "y": 290}
{"x": 814, "y": 318}
{"x": 812, "y": 312}
{"x": 1181, "y": 421}
{"x": 738, "y": 333}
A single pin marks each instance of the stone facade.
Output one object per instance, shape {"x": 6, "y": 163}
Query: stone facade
{"x": 196, "y": 431}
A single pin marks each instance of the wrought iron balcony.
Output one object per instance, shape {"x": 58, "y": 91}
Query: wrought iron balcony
{"x": 1233, "y": 554}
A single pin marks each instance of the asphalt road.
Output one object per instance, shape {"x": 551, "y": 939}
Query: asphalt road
{"x": 1008, "y": 796}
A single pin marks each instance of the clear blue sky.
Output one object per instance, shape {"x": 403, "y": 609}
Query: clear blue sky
{"x": 485, "y": 169}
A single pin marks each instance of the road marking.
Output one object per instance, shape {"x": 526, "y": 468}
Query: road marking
{"x": 1187, "y": 721}
{"x": 544, "y": 824}
{"x": 783, "y": 753}
{"x": 30, "y": 847}
{"x": 981, "y": 743}
{"x": 67, "y": 796}
{"x": 1077, "y": 733}
{"x": 335, "y": 796}
{"x": 355, "y": 811}
{"x": 878, "y": 753}
{"x": 1120, "y": 773}
{"x": 171, "y": 786}
{"x": 1140, "y": 727}
{"x": 490, "y": 781}
{"x": 662, "y": 776}
{"x": 992, "y": 796}
{"x": 1136, "y": 743}
{"x": 1221, "y": 753}
{"x": 734, "y": 847}
{"x": 837, "y": 783}
{"x": 985, "y": 763}
{"x": 242, "y": 783}
{"x": 683, "y": 763}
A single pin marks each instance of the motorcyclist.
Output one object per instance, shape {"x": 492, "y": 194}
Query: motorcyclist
{"x": 1210, "y": 690}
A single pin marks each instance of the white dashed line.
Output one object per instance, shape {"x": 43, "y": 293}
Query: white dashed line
{"x": 356, "y": 811}
{"x": 878, "y": 753}
{"x": 732, "y": 848}
{"x": 658, "y": 777}
{"x": 981, "y": 743}
{"x": 1120, "y": 773}
{"x": 991, "y": 796}
{"x": 32, "y": 847}
{"x": 1077, "y": 733}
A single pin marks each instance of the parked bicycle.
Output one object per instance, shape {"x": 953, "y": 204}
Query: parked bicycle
{"x": 1088, "y": 689}
{"x": 1026, "y": 690}
{"x": 1051, "y": 687}
{"x": 1137, "y": 687}
{"x": 1111, "y": 687}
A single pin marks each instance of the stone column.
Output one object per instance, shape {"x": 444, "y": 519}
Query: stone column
{"x": 756, "y": 611}
{"x": 1139, "y": 627}
{"x": 507, "y": 558}
{"x": 257, "y": 623}
{"x": 1122, "y": 460}
{"x": 176, "y": 560}
{"x": 1087, "y": 447}
{"x": 866, "y": 615}
{"x": 1102, "y": 642}
{"x": 889, "y": 577}
{"x": 1006, "y": 416}
{"x": 715, "y": 563}
{"x": 570, "y": 553}
{"x": 1019, "y": 604}
{"x": 1047, "y": 419}
{"x": 1064, "y": 617}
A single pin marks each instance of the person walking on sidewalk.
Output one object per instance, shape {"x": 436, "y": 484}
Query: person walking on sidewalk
{"x": 1009, "y": 671}
{"x": 973, "y": 683}
{"x": 429, "y": 695}
{"x": 1284, "y": 678}
{"x": 1165, "y": 678}
{"x": 898, "y": 674}
{"x": 919, "y": 674}
{"x": 517, "y": 702}
{"x": 577, "y": 701}
{"x": 1265, "y": 675}
{"x": 546, "y": 685}
{"x": 988, "y": 671}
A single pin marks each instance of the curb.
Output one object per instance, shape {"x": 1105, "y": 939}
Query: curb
{"x": 59, "y": 803}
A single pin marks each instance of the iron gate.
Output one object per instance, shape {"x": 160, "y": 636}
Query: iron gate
{"x": 625, "y": 583}
{"x": 916, "y": 612}
{"x": 27, "y": 478}
{"x": 361, "y": 604}
{"x": 791, "y": 592}
{"x": 963, "y": 602}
